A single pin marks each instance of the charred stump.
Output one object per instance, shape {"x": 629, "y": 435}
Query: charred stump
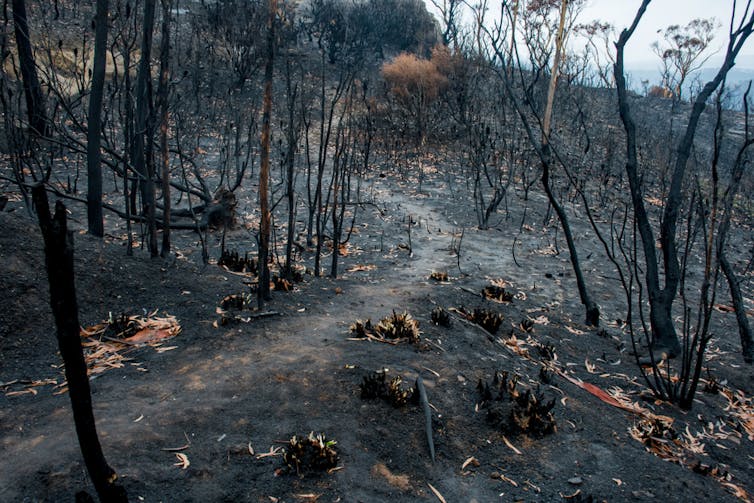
{"x": 59, "y": 262}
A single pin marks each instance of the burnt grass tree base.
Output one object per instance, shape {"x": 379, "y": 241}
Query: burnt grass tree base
{"x": 488, "y": 320}
{"x": 376, "y": 385}
{"x": 394, "y": 327}
{"x": 515, "y": 411}
{"x": 310, "y": 454}
{"x": 440, "y": 317}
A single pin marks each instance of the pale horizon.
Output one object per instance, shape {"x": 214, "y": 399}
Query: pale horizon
{"x": 659, "y": 15}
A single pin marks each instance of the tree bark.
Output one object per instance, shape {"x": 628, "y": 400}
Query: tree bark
{"x": 35, "y": 102}
{"x": 744, "y": 329}
{"x": 263, "y": 290}
{"x": 59, "y": 261}
{"x": 661, "y": 322}
{"x": 292, "y": 134}
{"x": 162, "y": 97}
{"x": 94, "y": 128}
{"x": 141, "y": 166}
{"x": 592, "y": 309}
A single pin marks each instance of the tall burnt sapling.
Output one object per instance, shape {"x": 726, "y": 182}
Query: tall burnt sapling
{"x": 542, "y": 144}
{"x": 59, "y": 261}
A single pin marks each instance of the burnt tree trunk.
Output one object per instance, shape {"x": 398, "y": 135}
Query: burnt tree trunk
{"x": 544, "y": 152}
{"x": 162, "y": 97}
{"x": 35, "y": 102}
{"x": 59, "y": 261}
{"x": 263, "y": 291}
{"x": 744, "y": 329}
{"x": 142, "y": 146}
{"x": 292, "y": 134}
{"x": 94, "y": 133}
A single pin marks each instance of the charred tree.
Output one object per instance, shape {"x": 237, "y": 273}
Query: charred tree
{"x": 744, "y": 328}
{"x": 663, "y": 295}
{"x": 94, "y": 128}
{"x": 59, "y": 261}
{"x": 35, "y": 101}
{"x": 263, "y": 292}
{"x": 592, "y": 309}
{"x": 543, "y": 148}
{"x": 290, "y": 161}
{"x": 162, "y": 98}
{"x": 142, "y": 142}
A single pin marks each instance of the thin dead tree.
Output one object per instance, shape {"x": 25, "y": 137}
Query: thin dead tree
{"x": 35, "y": 101}
{"x": 734, "y": 283}
{"x": 263, "y": 290}
{"x": 94, "y": 128}
{"x": 142, "y": 143}
{"x": 162, "y": 102}
{"x": 543, "y": 148}
{"x": 59, "y": 261}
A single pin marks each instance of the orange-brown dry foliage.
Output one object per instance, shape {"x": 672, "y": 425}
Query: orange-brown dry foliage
{"x": 411, "y": 77}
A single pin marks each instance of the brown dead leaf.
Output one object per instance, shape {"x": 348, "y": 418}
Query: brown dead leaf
{"x": 310, "y": 497}
{"x": 725, "y": 309}
{"x": 470, "y": 461}
{"x": 175, "y": 449}
{"x": 436, "y": 493}
{"x": 361, "y": 268}
{"x": 149, "y": 335}
{"x": 570, "y": 496}
{"x": 401, "y": 482}
{"x": 511, "y": 446}
{"x": 29, "y": 391}
{"x": 574, "y": 331}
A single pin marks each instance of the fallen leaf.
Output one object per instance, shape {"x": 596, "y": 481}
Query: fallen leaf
{"x": 437, "y": 493}
{"x": 274, "y": 451}
{"x": 590, "y": 367}
{"x": 541, "y": 320}
{"x": 361, "y": 267}
{"x": 508, "y": 480}
{"x": 574, "y": 331}
{"x": 175, "y": 449}
{"x": 470, "y": 461}
{"x": 511, "y": 446}
{"x": 183, "y": 461}
{"x": 402, "y": 482}
{"x": 307, "y": 497}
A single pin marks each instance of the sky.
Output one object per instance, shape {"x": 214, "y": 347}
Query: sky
{"x": 659, "y": 15}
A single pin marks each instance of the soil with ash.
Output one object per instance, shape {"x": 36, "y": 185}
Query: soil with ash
{"x": 229, "y": 397}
